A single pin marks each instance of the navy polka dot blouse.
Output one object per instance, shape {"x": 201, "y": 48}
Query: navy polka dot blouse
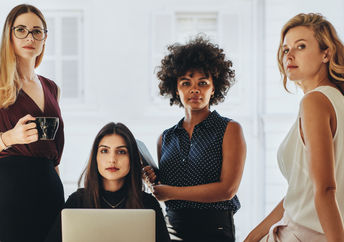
{"x": 186, "y": 162}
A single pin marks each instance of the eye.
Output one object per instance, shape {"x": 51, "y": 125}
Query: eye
{"x": 37, "y": 31}
{"x": 20, "y": 29}
{"x": 103, "y": 151}
{"x": 301, "y": 46}
{"x": 203, "y": 83}
{"x": 285, "y": 51}
{"x": 122, "y": 152}
{"x": 185, "y": 83}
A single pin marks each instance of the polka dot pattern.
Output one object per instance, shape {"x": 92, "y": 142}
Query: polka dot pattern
{"x": 186, "y": 162}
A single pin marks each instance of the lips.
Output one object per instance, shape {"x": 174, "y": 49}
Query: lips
{"x": 291, "y": 66}
{"x": 194, "y": 99}
{"x": 112, "y": 169}
{"x": 29, "y": 47}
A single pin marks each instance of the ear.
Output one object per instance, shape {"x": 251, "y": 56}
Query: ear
{"x": 326, "y": 57}
{"x": 45, "y": 39}
{"x": 212, "y": 93}
{"x": 177, "y": 93}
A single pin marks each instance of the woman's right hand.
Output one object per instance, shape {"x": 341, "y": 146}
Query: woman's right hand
{"x": 149, "y": 174}
{"x": 22, "y": 133}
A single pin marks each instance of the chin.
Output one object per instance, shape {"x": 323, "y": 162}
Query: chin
{"x": 28, "y": 56}
{"x": 295, "y": 80}
{"x": 292, "y": 78}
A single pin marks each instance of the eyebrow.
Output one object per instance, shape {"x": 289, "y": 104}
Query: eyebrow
{"x": 22, "y": 25}
{"x": 202, "y": 77}
{"x": 296, "y": 41}
{"x": 121, "y": 146}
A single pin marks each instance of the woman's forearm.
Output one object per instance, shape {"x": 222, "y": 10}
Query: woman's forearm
{"x": 329, "y": 215}
{"x": 263, "y": 228}
{"x": 6, "y": 138}
{"x": 207, "y": 193}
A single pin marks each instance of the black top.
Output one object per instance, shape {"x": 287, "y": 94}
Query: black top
{"x": 195, "y": 161}
{"x": 76, "y": 200}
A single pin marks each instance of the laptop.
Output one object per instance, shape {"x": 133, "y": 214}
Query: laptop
{"x": 108, "y": 225}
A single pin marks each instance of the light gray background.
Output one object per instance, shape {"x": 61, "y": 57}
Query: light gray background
{"x": 103, "y": 53}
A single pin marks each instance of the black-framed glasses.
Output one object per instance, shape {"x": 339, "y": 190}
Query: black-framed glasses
{"x": 22, "y": 32}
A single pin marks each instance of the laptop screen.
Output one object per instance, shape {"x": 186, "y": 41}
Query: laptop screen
{"x": 108, "y": 225}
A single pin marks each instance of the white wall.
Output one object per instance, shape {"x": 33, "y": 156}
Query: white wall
{"x": 118, "y": 69}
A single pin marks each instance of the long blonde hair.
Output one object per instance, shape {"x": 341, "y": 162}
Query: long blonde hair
{"x": 327, "y": 37}
{"x": 9, "y": 76}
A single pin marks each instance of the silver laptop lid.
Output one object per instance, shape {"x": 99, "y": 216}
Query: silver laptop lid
{"x": 108, "y": 225}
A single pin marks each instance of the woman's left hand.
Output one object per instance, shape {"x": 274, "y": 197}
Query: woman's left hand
{"x": 162, "y": 192}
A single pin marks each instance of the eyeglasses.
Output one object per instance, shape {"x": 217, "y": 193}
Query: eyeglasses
{"x": 22, "y": 32}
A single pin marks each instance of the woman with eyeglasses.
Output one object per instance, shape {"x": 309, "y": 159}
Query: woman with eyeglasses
{"x": 31, "y": 192}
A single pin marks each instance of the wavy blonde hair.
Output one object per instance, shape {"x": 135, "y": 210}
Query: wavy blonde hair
{"x": 327, "y": 37}
{"x": 9, "y": 76}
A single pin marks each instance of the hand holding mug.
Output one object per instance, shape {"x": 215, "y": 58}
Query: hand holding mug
{"x": 46, "y": 127}
{"x": 24, "y": 132}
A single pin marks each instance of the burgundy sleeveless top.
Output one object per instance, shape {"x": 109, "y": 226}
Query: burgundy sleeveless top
{"x": 50, "y": 149}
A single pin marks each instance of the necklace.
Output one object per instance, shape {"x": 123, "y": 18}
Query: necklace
{"x": 113, "y": 206}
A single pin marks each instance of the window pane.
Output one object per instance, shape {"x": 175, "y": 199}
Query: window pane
{"x": 207, "y": 24}
{"x": 47, "y": 69}
{"x": 185, "y": 24}
{"x": 70, "y": 36}
{"x": 70, "y": 79}
{"x": 190, "y": 24}
{"x": 50, "y": 42}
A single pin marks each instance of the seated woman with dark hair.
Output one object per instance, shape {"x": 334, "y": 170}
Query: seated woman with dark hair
{"x": 113, "y": 178}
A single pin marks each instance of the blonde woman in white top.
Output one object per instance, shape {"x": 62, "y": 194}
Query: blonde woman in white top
{"x": 311, "y": 157}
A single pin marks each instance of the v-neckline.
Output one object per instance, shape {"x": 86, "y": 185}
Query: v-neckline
{"x": 33, "y": 101}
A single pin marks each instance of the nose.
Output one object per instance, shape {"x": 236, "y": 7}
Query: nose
{"x": 290, "y": 55}
{"x": 113, "y": 158}
{"x": 30, "y": 37}
{"x": 194, "y": 89}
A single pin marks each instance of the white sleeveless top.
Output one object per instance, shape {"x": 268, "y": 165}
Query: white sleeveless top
{"x": 299, "y": 201}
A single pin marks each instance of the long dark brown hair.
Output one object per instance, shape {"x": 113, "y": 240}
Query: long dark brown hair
{"x": 133, "y": 181}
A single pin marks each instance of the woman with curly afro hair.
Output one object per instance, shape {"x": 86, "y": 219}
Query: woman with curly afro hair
{"x": 201, "y": 158}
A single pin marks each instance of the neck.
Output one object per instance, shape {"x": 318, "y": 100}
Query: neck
{"x": 319, "y": 79}
{"x": 192, "y": 117}
{"x": 112, "y": 186}
{"x": 26, "y": 69}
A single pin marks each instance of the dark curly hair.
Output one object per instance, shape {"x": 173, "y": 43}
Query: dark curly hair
{"x": 201, "y": 55}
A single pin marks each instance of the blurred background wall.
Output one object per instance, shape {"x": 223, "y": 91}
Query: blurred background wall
{"x": 103, "y": 55}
